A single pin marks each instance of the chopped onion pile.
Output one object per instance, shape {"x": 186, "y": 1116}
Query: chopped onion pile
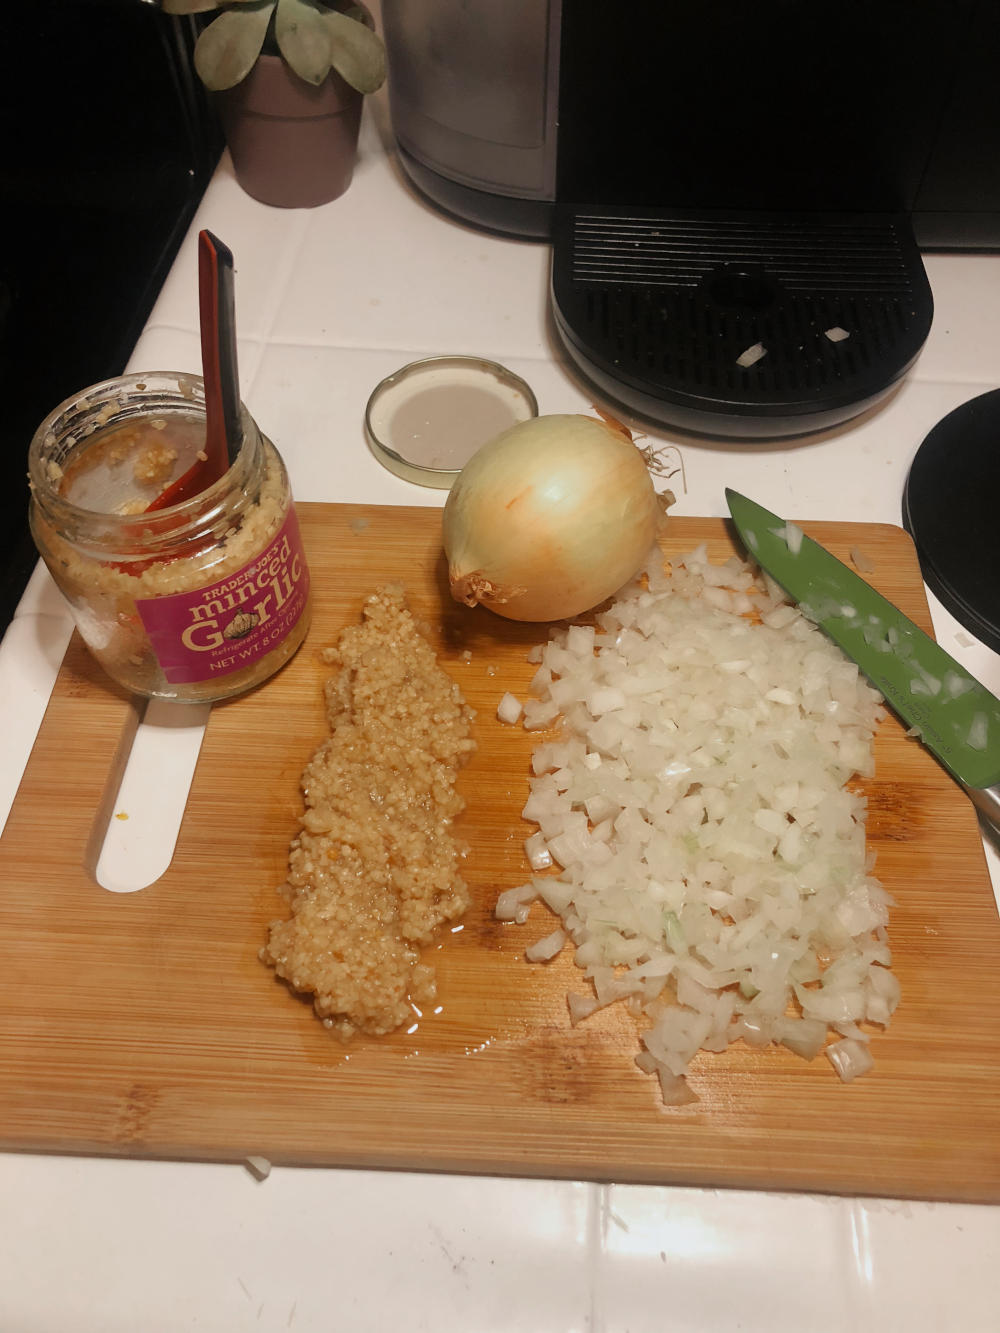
{"x": 713, "y": 863}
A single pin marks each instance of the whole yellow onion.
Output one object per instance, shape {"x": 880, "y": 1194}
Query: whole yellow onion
{"x": 550, "y": 518}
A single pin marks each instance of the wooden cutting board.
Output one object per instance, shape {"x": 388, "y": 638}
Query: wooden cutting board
{"x": 144, "y": 1024}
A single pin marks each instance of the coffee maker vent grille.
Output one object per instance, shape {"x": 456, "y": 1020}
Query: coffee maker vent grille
{"x": 739, "y": 320}
{"x": 678, "y": 337}
{"x": 811, "y": 256}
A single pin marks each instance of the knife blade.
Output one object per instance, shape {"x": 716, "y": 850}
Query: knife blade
{"x": 958, "y": 719}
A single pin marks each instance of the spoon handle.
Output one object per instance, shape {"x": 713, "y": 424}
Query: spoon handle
{"x": 223, "y": 427}
{"x": 218, "y": 350}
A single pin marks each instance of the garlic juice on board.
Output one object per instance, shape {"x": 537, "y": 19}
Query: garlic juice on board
{"x": 196, "y": 602}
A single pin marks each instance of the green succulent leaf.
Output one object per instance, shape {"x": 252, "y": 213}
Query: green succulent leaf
{"x": 356, "y": 53}
{"x": 228, "y": 48}
{"x": 302, "y": 39}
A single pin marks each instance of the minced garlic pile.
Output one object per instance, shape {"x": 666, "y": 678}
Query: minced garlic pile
{"x": 375, "y": 869}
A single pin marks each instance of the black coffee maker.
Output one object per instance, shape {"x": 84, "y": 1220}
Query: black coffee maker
{"x": 737, "y": 192}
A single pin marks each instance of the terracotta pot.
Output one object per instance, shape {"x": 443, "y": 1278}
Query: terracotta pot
{"x": 292, "y": 145}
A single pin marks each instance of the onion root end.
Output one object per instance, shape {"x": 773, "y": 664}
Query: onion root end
{"x": 476, "y": 589}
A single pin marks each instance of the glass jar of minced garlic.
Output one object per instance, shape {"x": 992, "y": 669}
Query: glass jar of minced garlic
{"x": 195, "y": 602}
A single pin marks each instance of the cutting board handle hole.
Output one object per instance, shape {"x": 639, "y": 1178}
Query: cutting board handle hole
{"x": 138, "y": 824}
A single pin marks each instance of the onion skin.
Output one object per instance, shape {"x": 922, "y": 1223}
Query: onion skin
{"x": 550, "y": 519}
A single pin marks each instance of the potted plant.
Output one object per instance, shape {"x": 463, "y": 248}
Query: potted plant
{"x": 289, "y": 76}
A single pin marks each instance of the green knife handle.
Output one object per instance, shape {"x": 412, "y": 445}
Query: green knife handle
{"x": 987, "y": 802}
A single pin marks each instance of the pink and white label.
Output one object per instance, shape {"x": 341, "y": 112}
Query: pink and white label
{"x": 227, "y": 626}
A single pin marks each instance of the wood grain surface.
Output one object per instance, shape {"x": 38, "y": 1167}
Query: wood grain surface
{"x": 145, "y": 1024}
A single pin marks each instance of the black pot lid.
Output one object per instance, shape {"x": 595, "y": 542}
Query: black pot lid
{"x": 951, "y": 508}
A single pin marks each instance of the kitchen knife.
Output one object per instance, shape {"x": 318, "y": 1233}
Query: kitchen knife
{"x": 958, "y": 718}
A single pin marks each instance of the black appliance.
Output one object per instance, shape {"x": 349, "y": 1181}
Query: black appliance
{"x": 109, "y": 142}
{"x": 730, "y": 188}
{"x": 950, "y": 511}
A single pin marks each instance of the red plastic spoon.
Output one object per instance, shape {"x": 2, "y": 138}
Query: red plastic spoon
{"x": 220, "y": 370}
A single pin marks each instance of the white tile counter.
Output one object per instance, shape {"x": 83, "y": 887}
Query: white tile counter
{"x": 328, "y": 302}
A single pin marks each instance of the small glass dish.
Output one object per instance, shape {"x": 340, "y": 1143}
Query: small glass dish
{"x": 426, "y": 420}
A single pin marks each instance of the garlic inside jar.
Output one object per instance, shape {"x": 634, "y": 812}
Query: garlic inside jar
{"x": 197, "y": 602}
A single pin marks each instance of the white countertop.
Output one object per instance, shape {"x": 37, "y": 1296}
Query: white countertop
{"x": 328, "y": 302}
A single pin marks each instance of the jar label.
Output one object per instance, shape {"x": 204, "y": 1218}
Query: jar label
{"x": 226, "y": 626}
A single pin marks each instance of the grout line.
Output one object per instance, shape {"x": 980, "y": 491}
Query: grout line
{"x": 598, "y": 1204}
{"x": 167, "y": 326}
{"x": 283, "y": 271}
{"x": 311, "y": 344}
{"x": 266, "y": 339}
{"x": 277, "y": 292}
{"x": 859, "y": 1262}
{"x": 411, "y": 350}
